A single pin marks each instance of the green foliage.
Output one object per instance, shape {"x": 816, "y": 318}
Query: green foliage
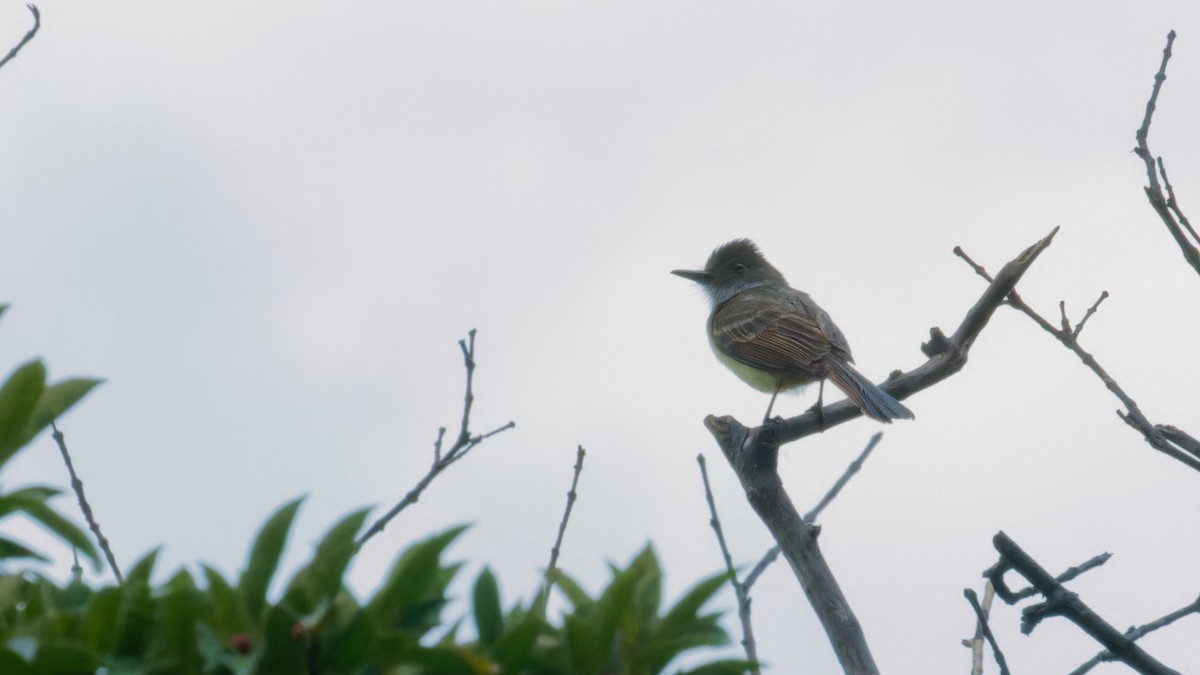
{"x": 622, "y": 630}
{"x": 27, "y": 406}
{"x": 208, "y": 625}
{"x": 216, "y": 628}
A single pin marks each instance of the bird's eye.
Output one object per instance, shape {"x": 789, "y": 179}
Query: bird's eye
{"x": 738, "y": 267}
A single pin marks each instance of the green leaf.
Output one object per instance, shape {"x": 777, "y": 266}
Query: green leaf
{"x": 3, "y": 308}
{"x": 647, "y": 596}
{"x": 12, "y": 589}
{"x": 56, "y": 400}
{"x": 414, "y": 593}
{"x": 18, "y": 398}
{"x": 180, "y": 614}
{"x": 346, "y": 647}
{"x": 571, "y": 589}
{"x": 16, "y": 501}
{"x": 683, "y": 628}
{"x": 514, "y": 646}
{"x": 264, "y": 558}
{"x": 32, "y": 501}
{"x": 11, "y": 549}
{"x": 282, "y": 652}
{"x": 616, "y": 605}
{"x": 489, "y": 619}
{"x": 320, "y": 580}
{"x": 102, "y": 620}
{"x": 219, "y": 659}
{"x": 228, "y": 612}
{"x": 137, "y": 610}
{"x": 442, "y": 661}
{"x": 723, "y": 667}
{"x": 63, "y": 658}
{"x": 142, "y": 569}
{"x": 71, "y": 598}
{"x": 685, "y": 610}
{"x": 12, "y": 664}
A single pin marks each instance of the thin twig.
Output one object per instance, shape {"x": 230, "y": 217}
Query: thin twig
{"x": 1071, "y": 573}
{"x": 739, "y": 589}
{"x": 1135, "y": 633}
{"x": 976, "y": 643}
{"x": 84, "y": 506}
{"x": 580, "y": 453}
{"x": 37, "y": 23}
{"x": 464, "y": 444}
{"x": 986, "y": 630}
{"x": 1173, "y": 204}
{"x": 1061, "y": 602}
{"x": 1089, "y": 313}
{"x": 468, "y": 398}
{"x": 1133, "y": 415}
{"x": 768, "y": 558}
{"x": 854, "y": 467}
{"x": 1165, "y": 206}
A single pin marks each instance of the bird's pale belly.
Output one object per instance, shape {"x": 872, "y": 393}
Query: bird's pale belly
{"x": 759, "y": 379}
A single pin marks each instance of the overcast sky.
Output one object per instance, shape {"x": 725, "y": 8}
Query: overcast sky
{"x": 267, "y": 224}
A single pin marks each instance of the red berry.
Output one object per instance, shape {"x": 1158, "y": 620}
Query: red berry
{"x": 241, "y": 642}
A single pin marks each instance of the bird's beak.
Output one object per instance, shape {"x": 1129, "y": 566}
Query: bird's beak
{"x": 698, "y": 276}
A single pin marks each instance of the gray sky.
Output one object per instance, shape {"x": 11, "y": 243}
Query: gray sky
{"x": 268, "y": 223}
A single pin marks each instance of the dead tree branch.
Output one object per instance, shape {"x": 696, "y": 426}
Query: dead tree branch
{"x": 77, "y": 486}
{"x": 1169, "y": 440}
{"x": 854, "y": 468}
{"x": 37, "y": 24}
{"x": 1061, "y": 602}
{"x": 739, "y": 589}
{"x": 572, "y": 495}
{"x": 1135, "y": 633}
{"x": 1165, "y": 205}
{"x": 983, "y": 630}
{"x": 464, "y": 444}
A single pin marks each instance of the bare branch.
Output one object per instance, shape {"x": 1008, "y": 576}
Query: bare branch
{"x": 77, "y": 486}
{"x": 1089, "y": 313}
{"x": 441, "y": 461}
{"x": 1061, "y": 602}
{"x": 739, "y": 589}
{"x": 37, "y": 24}
{"x": 1071, "y": 573}
{"x": 754, "y": 456}
{"x": 1135, "y": 633}
{"x": 854, "y": 467}
{"x": 1133, "y": 415}
{"x": 469, "y": 397}
{"x": 1173, "y": 204}
{"x": 760, "y": 567}
{"x": 986, "y": 630}
{"x": 580, "y": 453}
{"x": 947, "y": 356}
{"x": 976, "y": 643}
{"x": 1165, "y": 205}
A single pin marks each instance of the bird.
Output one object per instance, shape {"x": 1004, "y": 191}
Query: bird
{"x": 777, "y": 338}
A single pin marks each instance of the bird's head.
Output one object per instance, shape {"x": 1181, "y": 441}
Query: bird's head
{"x": 732, "y": 268}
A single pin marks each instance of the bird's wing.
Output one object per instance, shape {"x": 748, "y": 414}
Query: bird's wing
{"x": 773, "y": 332}
{"x": 828, "y": 328}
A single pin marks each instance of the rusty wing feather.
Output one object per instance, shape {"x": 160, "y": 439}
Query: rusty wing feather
{"x": 784, "y": 333}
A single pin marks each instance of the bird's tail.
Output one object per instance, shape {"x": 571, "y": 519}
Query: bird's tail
{"x": 873, "y": 401}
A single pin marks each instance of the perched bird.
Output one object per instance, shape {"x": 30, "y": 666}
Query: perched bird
{"x": 775, "y": 337}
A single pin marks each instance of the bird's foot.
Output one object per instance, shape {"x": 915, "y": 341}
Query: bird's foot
{"x": 819, "y": 410}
